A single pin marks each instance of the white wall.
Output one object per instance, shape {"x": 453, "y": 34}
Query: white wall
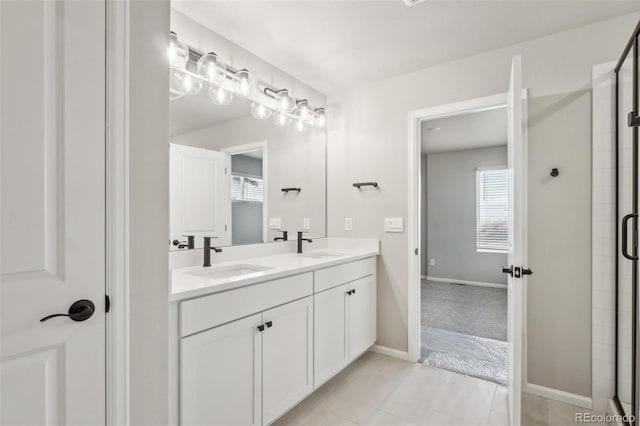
{"x": 149, "y": 212}
{"x": 373, "y": 120}
{"x": 451, "y": 201}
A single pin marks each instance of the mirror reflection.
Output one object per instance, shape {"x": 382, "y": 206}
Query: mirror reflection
{"x": 241, "y": 179}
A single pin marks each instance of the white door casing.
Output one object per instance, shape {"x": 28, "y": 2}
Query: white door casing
{"x": 198, "y": 194}
{"x": 52, "y": 131}
{"x": 516, "y": 283}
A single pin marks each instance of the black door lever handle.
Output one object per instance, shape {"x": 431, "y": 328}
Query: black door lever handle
{"x": 527, "y": 271}
{"x": 508, "y": 270}
{"x": 80, "y": 310}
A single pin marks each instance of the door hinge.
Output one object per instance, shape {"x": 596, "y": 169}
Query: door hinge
{"x": 107, "y": 303}
{"x": 633, "y": 120}
{"x": 225, "y": 228}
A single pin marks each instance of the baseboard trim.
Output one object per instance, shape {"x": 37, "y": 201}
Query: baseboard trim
{"x": 560, "y": 396}
{"x": 476, "y": 283}
{"x": 384, "y": 350}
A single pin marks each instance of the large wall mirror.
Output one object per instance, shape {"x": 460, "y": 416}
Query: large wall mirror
{"x": 241, "y": 179}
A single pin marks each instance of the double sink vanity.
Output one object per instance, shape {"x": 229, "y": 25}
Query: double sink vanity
{"x": 257, "y": 321}
{"x": 254, "y": 336}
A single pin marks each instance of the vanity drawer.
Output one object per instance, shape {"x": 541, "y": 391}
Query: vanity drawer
{"x": 336, "y": 275}
{"x": 210, "y": 311}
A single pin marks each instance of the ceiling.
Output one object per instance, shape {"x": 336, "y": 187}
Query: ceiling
{"x": 334, "y": 45}
{"x": 195, "y": 112}
{"x": 466, "y": 131}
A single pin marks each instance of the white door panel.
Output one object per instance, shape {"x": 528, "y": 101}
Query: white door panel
{"x": 361, "y": 313}
{"x": 516, "y": 145}
{"x": 220, "y": 375}
{"x": 287, "y": 357}
{"x": 198, "y": 193}
{"x": 330, "y": 333}
{"x": 52, "y": 134}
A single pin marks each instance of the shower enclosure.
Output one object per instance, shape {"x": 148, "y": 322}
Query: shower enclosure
{"x": 626, "y": 296}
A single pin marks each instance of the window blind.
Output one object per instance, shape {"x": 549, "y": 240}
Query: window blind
{"x": 492, "y": 215}
{"x": 247, "y": 188}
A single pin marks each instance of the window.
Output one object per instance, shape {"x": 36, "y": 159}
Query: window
{"x": 247, "y": 188}
{"x": 492, "y": 214}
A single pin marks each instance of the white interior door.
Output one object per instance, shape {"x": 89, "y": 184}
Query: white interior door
{"x": 52, "y": 195}
{"x": 199, "y": 194}
{"x": 517, "y": 238}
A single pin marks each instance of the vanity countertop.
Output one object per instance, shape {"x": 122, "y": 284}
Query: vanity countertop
{"x": 189, "y": 282}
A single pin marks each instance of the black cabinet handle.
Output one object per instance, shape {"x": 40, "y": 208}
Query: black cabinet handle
{"x": 269, "y": 324}
{"x": 625, "y": 222}
{"x": 80, "y": 310}
{"x": 508, "y": 270}
{"x": 261, "y": 327}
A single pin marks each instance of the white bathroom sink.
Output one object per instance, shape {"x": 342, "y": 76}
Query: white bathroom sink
{"x": 322, "y": 254}
{"x": 229, "y": 271}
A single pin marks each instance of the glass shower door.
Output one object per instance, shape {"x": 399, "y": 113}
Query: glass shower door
{"x": 627, "y": 234}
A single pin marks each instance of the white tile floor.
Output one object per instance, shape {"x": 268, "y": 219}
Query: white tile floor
{"x": 379, "y": 390}
{"x": 384, "y": 391}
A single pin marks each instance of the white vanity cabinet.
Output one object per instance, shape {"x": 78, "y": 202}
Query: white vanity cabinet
{"x": 220, "y": 375}
{"x": 345, "y": 316}
{"x": 250, "y": 354}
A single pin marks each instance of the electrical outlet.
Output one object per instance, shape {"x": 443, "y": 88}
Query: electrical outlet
{"x": 432, "y": 262}
{"x": 306, "y": 223}
{"x": 348, "y": 224}
{"x": 275, "y": 223}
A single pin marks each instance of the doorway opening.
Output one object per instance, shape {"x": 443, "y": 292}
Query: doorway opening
{"x": 464, "y": 241}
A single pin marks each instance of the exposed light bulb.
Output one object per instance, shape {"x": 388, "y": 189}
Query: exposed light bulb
{"x": 285, "y": 102}
{"x": 211, "y": 68}
{"x": 321, "y": 120}
{"x": 281, "y": 119}
{"x": 245, "y": 83}
{"x": 300, "y": 125}
{"x": 178, "y": 52}
{"x": 185, "y": 82}
{"x": 220, "y": 96}
{"x": 302, "y": 109}
{"x": 260, "y": 111}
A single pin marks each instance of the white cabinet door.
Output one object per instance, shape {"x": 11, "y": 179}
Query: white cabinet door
{"x": 198, "y": 194}
{"x": 220, "y": 381}
{"x": 52, "y": 198}
{"x": 330, "y": 352}
{"x": 361, "y": 311}
{"x": 287, "y": 357}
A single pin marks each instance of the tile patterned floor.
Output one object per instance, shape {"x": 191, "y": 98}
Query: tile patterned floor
{"x": 384, "y": 391}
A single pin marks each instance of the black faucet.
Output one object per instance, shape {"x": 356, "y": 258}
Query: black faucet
{"x": 207, "y": 251}
{"x": 285, "y": 236}
{"x": 300, "y": 240}
{"x": 189, "y": 245}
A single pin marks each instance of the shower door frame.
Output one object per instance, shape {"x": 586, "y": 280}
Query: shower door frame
{"x": 632, "y": 45}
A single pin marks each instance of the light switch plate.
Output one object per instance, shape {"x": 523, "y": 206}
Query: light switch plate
{"x": 306, "y": 223}
{"x": 348, "y": 224}
{"x": 432, "y": 262}
{"x": 393, "y": 224}
{"x": 275, "y": 223}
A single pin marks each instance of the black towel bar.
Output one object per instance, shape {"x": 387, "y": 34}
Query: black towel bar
{"x": 360, "y": 184}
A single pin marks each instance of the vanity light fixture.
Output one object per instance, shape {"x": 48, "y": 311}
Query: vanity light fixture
{"x": 260, "y": 111}
{"x": 190, "y": 69}
{"x": 220, "y": 96}
{"x": 321, "y": 119}
{"x": 211, "y": 69}
{"x": 302, "y": 109}
{"x": 245, "y": 84}
{"x": 282, "y": 119}
{"x": 186, "y": 82}
{"x": 178, "y": 52}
